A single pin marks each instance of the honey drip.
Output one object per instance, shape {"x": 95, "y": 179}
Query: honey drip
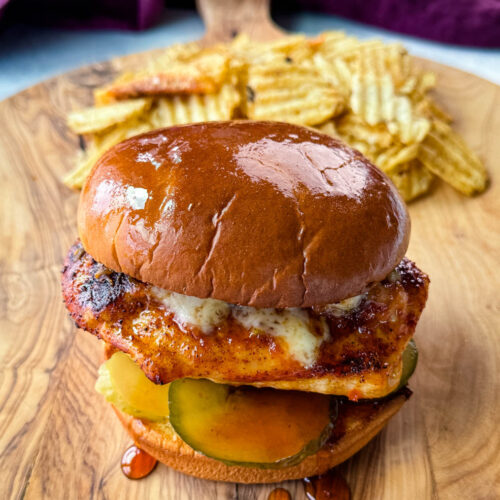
{"x": 136, "y": 463}
{"x": 279, "y": 494}
{"x": 328, "y": 486}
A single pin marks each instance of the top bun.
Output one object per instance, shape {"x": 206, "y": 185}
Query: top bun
{"x": 263, "y": 214}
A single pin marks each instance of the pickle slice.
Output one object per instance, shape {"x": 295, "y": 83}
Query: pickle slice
{"x": 410, "y": 358}
{"x": 265, "y": 428}
{"x": 124, "y": 385}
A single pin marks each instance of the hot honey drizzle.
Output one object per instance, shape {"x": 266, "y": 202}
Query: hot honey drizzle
{"x": 136, "y": 463}
{"x": 279, "y": 494}
{"x": 331, "y": 486}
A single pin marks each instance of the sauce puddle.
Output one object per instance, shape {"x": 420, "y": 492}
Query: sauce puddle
{"x": 136, "y": 463}
{"x": 279, "y": 494}
{"x": 330, "y": 485}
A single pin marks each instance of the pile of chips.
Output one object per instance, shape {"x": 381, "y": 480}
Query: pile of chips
{"x": 367, "y": 93}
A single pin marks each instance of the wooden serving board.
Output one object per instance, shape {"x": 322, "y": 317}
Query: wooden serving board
{"x": 60, "y": 440}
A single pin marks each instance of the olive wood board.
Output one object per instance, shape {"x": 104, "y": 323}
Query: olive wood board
{"x": 60, "y": 440}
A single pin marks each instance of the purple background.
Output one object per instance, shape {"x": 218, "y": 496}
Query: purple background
{"x": 465, "y": 22}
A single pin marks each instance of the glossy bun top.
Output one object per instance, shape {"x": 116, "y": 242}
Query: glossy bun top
{"x": 264, "y": 214}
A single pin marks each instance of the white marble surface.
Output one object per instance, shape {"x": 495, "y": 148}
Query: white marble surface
{"x": 29, "y": 55}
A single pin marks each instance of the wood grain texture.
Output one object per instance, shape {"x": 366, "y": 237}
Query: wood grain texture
{"x": 59, "y": 439}
{"x": 224, "y": 19}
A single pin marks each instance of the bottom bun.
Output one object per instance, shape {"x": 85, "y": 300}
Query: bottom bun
{"x": 357, "y": 424}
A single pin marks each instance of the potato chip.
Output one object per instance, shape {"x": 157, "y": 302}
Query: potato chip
{"x": 90, "y": 120}
{"x": 337, "y": 72}
{"x": 395, "y": 156}
{"x": 353, "y": 127}
{"x": 374, "y": 73}
{"x": 209, "y": 62}
{"x": 397, "y": 62}
{"x": 377, "y": 75}
{"x": 425, "y": 106}
{"x": 368, "y": 150}
{"x": 445, "y": 154}
{"x": 425, "y": 81}
{"x": 381, "y": 76}
{"x": 98, "y": 146}
{"x": 177, "y": 53}
{"x": 327, "y": 41}
{"x": 412, "y": 180}
{"x": 293, "y": 48}
{"x": 202, "y": 72}
{"x": 335, "y": 44}
{"x": 372, "y": 95}
{"x": 178, "y": 110}
{"x": 328, "y": 128}
{"x": 405, "y": 124}
{"x": 408, "y": 86}
{"x": 290, "y": 92}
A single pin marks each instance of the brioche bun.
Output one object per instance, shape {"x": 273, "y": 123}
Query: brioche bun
{"x": 263, "y": 214}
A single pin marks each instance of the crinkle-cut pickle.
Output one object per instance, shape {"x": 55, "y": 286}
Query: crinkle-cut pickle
{"x": 245, "y": 426}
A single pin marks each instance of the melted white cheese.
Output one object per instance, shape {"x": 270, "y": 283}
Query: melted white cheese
{"x": 294, "y": 325}
{"x": 205, "y": 314}
{"x": 291, "y": 325}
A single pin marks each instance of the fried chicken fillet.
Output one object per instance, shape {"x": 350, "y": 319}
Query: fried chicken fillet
{"x": 361, "y": 358}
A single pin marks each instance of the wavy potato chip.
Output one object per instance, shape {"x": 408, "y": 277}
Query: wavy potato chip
{"x": 399, "y": 154}
{"x": 290, "y": 92}
{"x": 425, "y": 106}
{"x": 336, "y": 44}
{"x": 337, "y": 72}
{"x": 372, "y": 94}
{"x": 370, "y": 151}
{"x": 424, "y": 82}
{"x": 178, "y": 110}
{"x": 293, "y": 48}
{"x": 381, "y": 78}
{"x": 329, "y": 128}
{"x": 405, "y": 124}
{"x": 445, "y": 154}
{"x": 97, "y": 119}
{"x": 412, "y": 180}
{"x": 352, "y": 127}
{"x": 99, "y": 145}
{"x": 201, "y": 72}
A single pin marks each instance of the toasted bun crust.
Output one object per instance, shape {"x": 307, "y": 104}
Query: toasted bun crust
{"x": 360, "y": 422}
{"x": 263, "y": 214}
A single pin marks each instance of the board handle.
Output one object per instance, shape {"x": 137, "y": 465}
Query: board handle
{"x": 224, "y": 19}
